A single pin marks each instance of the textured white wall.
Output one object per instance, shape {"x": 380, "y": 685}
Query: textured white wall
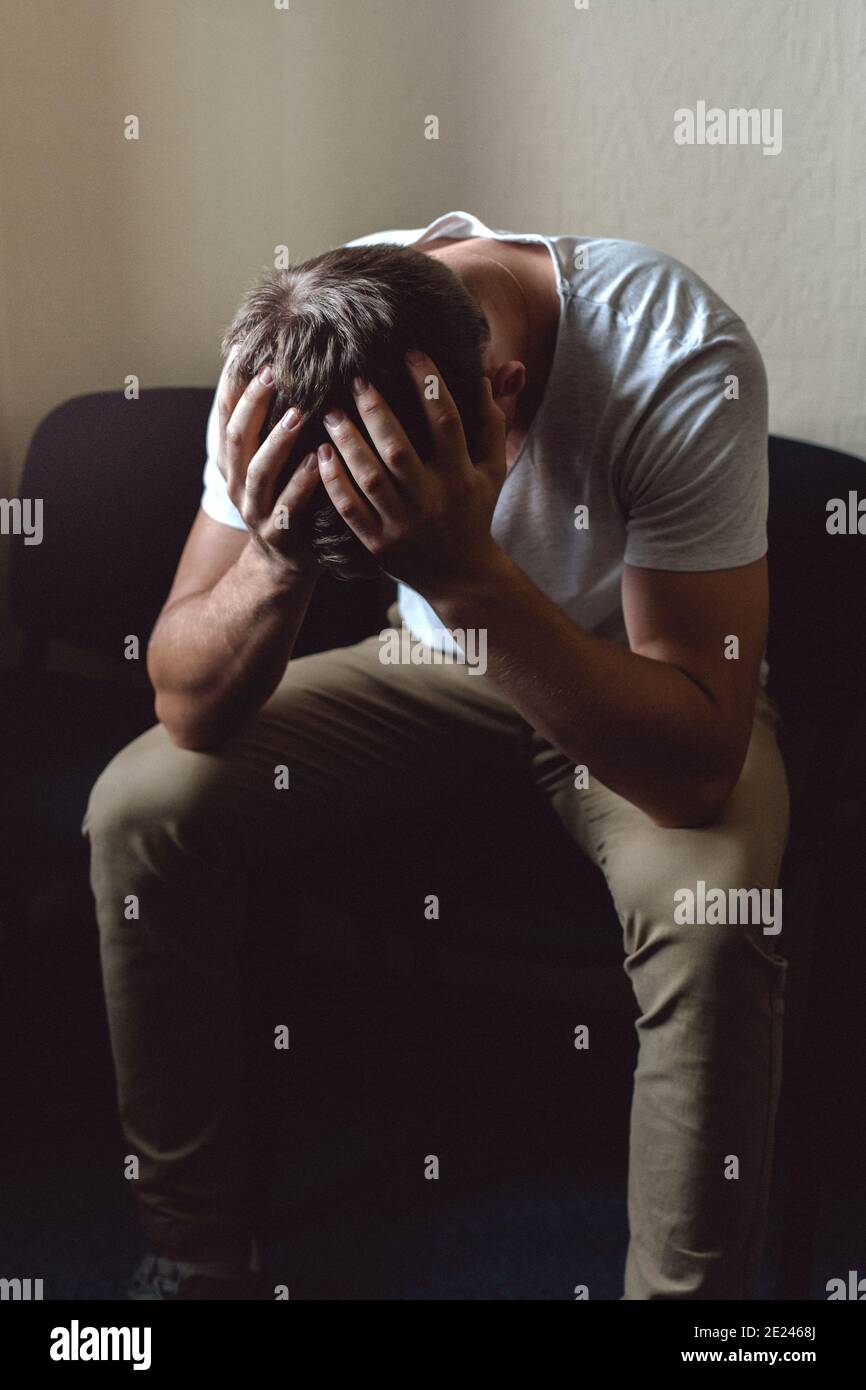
{"x": 579, "y": 137}
{"x": 307, "y": 127}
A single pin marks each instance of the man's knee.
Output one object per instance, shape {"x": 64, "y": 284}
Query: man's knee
{"x": 149, "y": 784}
{"x": 701, "y": 890}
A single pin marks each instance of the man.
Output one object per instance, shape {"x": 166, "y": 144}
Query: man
{"x": 581, "y": 482}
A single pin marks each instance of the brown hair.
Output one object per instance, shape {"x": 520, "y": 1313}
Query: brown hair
{"x": 355, "y": 311}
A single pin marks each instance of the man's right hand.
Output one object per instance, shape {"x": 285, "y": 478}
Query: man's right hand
{"x": 230, "y": 622}
{"x": 251, "y": 470}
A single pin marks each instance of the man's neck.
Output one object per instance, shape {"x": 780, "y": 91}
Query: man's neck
{"x": 536, "y": 291}
{"x": 532, "y": 267}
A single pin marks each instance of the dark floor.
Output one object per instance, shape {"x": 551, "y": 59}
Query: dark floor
{"x": 531, "y": 1135}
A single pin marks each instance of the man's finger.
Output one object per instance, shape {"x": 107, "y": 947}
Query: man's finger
{"x": 352, "y": 507}
{"x": 443, "y": 417}
{"x": 295, "y": 497}
{"x": 389, "y": 438}
{"x": 266, "y": 465}
{"x": 240, "y": 437}
{"x": 229, "y": 391}
{"x": 369, "y": 472}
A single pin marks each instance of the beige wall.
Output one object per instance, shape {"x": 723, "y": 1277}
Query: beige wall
{"x": 306, "y": 127}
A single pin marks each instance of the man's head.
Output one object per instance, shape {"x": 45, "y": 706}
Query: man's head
{"x": 355, "y": 311}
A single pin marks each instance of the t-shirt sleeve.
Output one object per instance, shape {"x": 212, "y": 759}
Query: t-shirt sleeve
{"x": 215, "y": 498}
{"x": 696, "y": 480}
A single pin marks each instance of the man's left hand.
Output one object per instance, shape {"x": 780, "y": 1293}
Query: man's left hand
{"x": 427, "y": 524}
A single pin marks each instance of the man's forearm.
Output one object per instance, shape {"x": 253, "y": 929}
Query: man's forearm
{"x": 215, "y": 657}
{"x": 643, "y": 727}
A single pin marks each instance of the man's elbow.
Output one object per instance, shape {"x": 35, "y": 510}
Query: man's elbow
{"x": 698, "y": 805}
{"x": 186, "y": 727}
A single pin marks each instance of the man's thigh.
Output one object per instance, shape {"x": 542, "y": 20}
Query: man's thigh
{"x": 344, "y": 743}
{"x": 356, "y": 732}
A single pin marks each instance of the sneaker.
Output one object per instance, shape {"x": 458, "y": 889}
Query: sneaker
{"x": 159, "y": 1278}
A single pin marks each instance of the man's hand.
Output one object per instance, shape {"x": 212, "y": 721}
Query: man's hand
{"x": 251, "y": 470}
{"x": 424, "y": 522}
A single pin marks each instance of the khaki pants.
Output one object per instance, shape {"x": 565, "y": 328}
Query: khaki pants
{"x": 187, "y": 833}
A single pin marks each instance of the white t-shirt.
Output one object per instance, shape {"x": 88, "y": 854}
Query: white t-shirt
{"x": 650, "y": 444}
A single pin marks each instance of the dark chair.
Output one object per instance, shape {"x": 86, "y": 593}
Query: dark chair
{"x": 120, "y": 482}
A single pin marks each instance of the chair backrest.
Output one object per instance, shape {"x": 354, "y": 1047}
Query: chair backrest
{"x": 120, "y": 482}
{"x": 817, "y": 639}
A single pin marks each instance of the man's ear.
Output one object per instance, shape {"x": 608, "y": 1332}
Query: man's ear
{"x": 508, "y": 382}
